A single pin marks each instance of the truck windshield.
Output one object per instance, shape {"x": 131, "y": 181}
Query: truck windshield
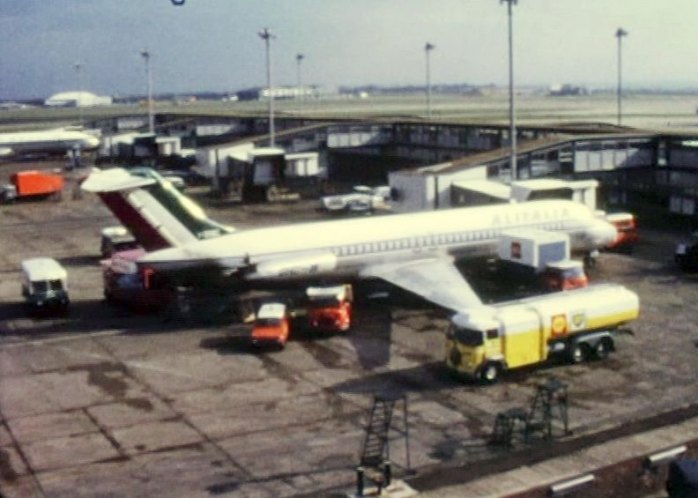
{"x": 267, "y": 322}
{"x": 468, "y": 337}
{"x": 47, "y": 285}
{"x": 576, "y": 272}
{"x": 324, "y": 302}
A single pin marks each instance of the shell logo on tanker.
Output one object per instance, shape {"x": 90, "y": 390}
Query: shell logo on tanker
{"x": 558, "y": 324}
{"x": 578, "y": 320}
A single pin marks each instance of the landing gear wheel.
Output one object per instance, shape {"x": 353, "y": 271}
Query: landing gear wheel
{"x": 490, "y": 373}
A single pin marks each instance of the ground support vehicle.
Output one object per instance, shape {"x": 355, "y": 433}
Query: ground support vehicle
{"x": 116, "y": 239}
{"x": 125, "y": 284}
{"x": 541, "y": 259}
{"x": 28, "y": 184}
{"x": 45, "y": 285}
{"x": 272, "y": 325}
{"x": 626, "y": 224}
{"x": 577, "y": 325}
{"x": 566, "y": 274}
{"x": 260, "y": 174}
{"x": 329, "y": 309}
{"x": 362, "y": 199}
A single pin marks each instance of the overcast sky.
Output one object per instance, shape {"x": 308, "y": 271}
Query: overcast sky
{"x": 213, "y": 44}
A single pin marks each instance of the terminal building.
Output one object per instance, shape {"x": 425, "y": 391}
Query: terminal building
{"x": 429, "y": 165}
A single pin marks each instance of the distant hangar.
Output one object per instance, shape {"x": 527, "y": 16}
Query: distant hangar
{"x": 77, "y": 99}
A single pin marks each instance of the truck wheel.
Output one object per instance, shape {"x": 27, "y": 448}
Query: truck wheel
{"x": 579, "y": 352}
{"x": 272, "y": 194}
{"x": 490, "y": 373}
{"x": 603, "y": 348}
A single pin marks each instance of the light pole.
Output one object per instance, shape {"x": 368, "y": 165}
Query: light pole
{"x": 428, "y": 47}
{"x": 301, "y": 93}
{"x": 266, "y": 35}
{"x": 78, "y": 101}
{"x": 151, "y": 119}
{"x": 299, "y": 59}
{"x": 620, "y": 33}
{"x": 512, "y": 108}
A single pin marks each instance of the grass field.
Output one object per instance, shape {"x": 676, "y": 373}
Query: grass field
{"x": 639, "y": 110}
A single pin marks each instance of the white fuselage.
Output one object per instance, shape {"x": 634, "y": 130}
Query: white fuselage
{"x": 346, "y": 246}
{"x": 47, "y": 141}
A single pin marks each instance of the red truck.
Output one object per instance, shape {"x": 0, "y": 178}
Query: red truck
{"x": 329, "y": 308}
{"x": 627, "y": 237}
{"x": 32, "y": 183}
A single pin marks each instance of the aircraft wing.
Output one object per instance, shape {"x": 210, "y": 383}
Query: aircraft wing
{"x": 436, "y": 280}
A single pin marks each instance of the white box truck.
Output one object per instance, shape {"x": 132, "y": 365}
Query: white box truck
{"x": 45, "y": 285}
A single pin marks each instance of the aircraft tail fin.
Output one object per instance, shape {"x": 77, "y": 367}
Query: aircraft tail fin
{"x": 151, "y": 208}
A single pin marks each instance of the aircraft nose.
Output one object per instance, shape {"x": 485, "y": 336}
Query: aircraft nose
{"x": 602, "y": 234}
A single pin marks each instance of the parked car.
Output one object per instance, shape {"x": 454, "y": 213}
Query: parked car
{"x": 271, "y": 326}
{"x": 362, "y": 199}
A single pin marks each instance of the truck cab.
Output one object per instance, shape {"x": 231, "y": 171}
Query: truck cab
{"x": 45, "y": 285}
{"x": 473, "y": 345}
{"x": 566, "y": 274}
{"x": 329, "y": 308}
{"x": 272, "y": 325}
{"x": 116, "y": 239}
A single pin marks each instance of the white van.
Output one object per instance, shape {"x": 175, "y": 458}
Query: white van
{"x": 45, "y": 285}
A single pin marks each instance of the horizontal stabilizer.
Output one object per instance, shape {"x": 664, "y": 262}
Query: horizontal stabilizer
{"x": 112, "y": 180}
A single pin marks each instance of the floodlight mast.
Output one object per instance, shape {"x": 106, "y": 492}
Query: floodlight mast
{"x": 299, "y": 59}
{"x": 266, "y": 35}
{"x": 428, "y": 47}
{"x": 151, "y": 118}
{"x": 620, "y": 33}
{"x": 78, "y": 101}
{"x": 512, "y": 108}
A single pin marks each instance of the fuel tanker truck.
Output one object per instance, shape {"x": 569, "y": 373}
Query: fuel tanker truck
{"x": 577, "y": 325}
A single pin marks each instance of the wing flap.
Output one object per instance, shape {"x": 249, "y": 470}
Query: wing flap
{"x": 436, "y": 280}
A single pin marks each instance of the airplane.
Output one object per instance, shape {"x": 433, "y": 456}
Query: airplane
{"x": 414, "y": 251}
{"x": 59, "y": 140}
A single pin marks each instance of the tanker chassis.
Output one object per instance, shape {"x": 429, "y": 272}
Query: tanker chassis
{"x": 577, "y": 325}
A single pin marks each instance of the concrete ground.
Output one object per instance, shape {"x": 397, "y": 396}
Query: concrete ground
{"x": 107, "y": 403}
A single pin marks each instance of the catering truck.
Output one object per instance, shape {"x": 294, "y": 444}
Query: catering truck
{"x": 577, "y": 325}
{"x": 540, "y": 257}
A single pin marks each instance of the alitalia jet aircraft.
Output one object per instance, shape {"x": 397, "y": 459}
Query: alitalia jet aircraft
{"x": 413, "y": 251}
{"x": 59, "y": 140}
